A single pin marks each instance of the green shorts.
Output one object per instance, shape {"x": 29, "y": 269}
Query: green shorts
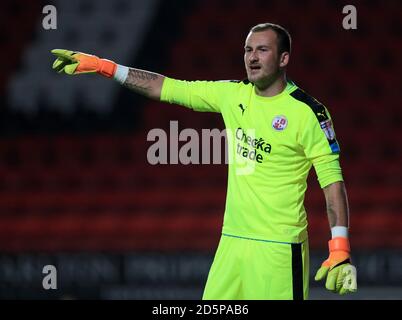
{"x": 249, "y": 269}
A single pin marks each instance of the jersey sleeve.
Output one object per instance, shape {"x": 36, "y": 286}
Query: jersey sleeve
{"x": 320, "y": 145}
{"x": 205, "y": 96}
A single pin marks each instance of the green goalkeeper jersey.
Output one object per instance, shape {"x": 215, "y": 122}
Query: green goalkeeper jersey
{"x": 272, "y": 144}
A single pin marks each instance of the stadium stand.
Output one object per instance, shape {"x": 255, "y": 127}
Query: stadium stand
{"x": 101, "y": 27}
{"x": 91, "y": 192}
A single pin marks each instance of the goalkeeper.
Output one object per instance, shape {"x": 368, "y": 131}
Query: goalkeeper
{"x": 276, "y": 133}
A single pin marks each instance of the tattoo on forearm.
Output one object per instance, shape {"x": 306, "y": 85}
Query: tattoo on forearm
{"x": 142, "y": 75}
{"x": 139, "y": 80}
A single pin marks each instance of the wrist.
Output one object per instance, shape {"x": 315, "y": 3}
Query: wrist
{"x": 339, "y": 244}
{"x": 107, "y": 68}
{"x": 121, "y": 73}
{"x": 339, "y": 231}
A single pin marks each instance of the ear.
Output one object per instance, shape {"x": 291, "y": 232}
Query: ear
{"x": 284, "y": 60}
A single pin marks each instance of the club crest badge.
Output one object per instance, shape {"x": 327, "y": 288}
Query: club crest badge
{"x": 279, "y": 123}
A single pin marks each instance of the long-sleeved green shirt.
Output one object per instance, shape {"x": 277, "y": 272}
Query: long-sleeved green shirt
{"x": 272, "y": 144}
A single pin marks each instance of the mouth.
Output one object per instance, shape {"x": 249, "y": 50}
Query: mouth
{"x": 254, "y": 67}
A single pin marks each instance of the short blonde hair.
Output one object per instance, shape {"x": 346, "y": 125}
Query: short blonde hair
{"x": 284, "y": 39}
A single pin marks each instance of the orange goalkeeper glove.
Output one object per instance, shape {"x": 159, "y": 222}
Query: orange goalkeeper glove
{"x": 340, "y": 273}
{"x": 72, "y": 62}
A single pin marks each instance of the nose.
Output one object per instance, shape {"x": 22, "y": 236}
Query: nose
{"x": 253, "y": 57}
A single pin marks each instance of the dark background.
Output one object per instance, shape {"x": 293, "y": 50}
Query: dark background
{"x": 77, "y": 191}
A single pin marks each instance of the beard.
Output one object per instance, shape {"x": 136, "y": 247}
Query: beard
{"x": 263, "y": 80}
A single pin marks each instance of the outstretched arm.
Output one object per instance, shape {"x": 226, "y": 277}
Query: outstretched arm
{"x": 143, "y": 82}
{"x": 197, "y": 95}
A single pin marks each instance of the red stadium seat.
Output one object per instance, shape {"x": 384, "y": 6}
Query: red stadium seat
{"x": 98, "y": 192}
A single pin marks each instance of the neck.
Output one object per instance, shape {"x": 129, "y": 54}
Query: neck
{"x": 273, "y": 87}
